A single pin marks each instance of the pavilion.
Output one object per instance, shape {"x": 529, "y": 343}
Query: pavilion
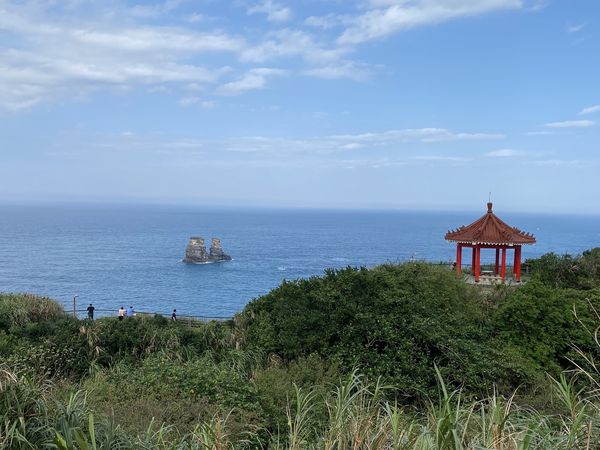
{"x": 490, "y": 232}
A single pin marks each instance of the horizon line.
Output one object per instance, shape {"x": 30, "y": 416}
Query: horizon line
{"x": 275, "y": 207}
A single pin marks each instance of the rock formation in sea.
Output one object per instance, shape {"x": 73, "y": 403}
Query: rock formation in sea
{"x": 195, "y": 252}
{"x": 216, "y": 251}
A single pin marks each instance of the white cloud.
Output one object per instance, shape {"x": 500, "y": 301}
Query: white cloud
{"x": 571, "y": 124}
{"x": 275, "y": 12}
{"x": 380, "y": 163}
{"x": 28, "y": 78}
{"x": 424, "y": 135}
{"x": 559, "y": 162}
{"x": 450, "y": 136}
{"x": 502, "y": 153}
{"x": 390, "y": 16}
{"x": 442, "y": 158}
{"x": 156, "y": 39}
{"x": 537, "y": 5}
{"x": 253, "y": 79}
{"x": 575, "y": 28}
{"x": 344, "y": 69}
{"x": 540, "y": 133}
{"x": 196, "y": 17}
{"x": 53, "y": 50}
{"x": 327, "y": 22}
{"x": 590, "y": 110}
{"x": 287, "y": 43}
{"x": 53, "y": 57}
{"x": 393, "y": 140}
{"x": 351, "y": 146}
{"x": 196, "y": 101}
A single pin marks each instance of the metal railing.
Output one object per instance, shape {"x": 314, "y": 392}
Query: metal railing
{"x": 195, "y": 321}
{"x": 191, "y": 321}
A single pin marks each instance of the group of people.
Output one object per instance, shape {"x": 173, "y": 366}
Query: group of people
{"x": 122, "y": 312}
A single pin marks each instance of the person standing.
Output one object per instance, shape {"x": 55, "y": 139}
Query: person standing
{"x": 130, "y": 311}
{"x": 90, "y": 311}
{"x": 174, "y": 315}
{"x": 121, "y": 313}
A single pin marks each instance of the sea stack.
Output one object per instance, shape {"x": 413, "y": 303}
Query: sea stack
{"x": 216, "y": 251}
{"x": 195, "y": 252}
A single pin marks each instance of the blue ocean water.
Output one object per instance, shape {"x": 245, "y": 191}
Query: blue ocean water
{"x": 113, "y": 256}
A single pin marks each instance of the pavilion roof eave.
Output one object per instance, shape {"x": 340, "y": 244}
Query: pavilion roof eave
{"x": 510, "y": 244}
{"x": 489, "y": 229}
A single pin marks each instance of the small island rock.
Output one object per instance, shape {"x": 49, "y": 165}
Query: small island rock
{"x": 216, "y": 251}
{"x": 195, "y": 252}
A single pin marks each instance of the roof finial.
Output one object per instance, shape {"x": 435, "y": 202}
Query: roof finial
{"x": 489, "y": 205}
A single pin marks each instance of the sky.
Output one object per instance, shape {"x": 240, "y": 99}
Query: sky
{"x": 401, "y": 104}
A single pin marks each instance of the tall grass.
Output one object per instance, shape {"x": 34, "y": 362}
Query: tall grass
{"x": 34, "y": 413}
{"x": 20, "y": 309}
{"x": 356, "y": 413}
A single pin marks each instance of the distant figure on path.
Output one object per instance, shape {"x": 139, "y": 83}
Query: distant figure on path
{"x": 90, "y": 310}
{"x": 130, "y": 312}
{"x": 121, "y": 313}
{"x": 174, "y": 315}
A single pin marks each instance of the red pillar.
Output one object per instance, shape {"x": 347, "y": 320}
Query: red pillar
{"x": 477, "y": 263}
{"x": 473, "y": 258}
{"x": 515, "y": 263}
{"x": 503, "y": 273}
{"x": 497, "y": 266}
{"x": 518, "y": 263}
{"x": 458, "y": 260}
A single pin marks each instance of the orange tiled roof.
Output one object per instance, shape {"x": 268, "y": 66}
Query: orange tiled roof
{"x": 489, "y": 229}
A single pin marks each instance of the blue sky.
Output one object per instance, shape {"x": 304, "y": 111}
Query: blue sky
{"x": 412, "y": 104}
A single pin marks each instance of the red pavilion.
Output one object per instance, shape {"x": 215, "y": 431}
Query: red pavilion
{"x": 490, "y": 231}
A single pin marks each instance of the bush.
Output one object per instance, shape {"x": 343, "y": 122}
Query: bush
{"x": 567, "y": 271}
{"x": 396, "y": 321}
{"x": 133, "y": 338}
{"x": 276, "y": 384}
{"x": 539, "y": 323}
{"x": 174, "y": 391}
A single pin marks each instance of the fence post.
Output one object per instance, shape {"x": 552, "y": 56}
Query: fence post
{"x": 74, "y": 306}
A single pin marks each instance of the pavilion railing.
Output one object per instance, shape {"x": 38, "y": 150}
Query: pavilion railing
{"x": 468, "y": 268}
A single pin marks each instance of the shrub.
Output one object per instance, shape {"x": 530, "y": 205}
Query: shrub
{"x": 20, "y": 309}
{"x": 174, "y": 391}
{"x": 276, "y": 385}
{"x": 539, "y": 323}
{"x": 394, "y": 320}
{"x": 567, "y": 271}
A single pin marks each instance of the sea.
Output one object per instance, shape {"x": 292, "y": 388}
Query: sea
{"x": 132, "y": 255}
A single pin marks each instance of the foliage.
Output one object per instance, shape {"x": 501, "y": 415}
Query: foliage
{"x": 394, "y": 321}
{"x": 394, "y": 357}
{"x": 21, "y": 309}
{"x": 539, "y": 322}
{"x": 278, "y": 382}
{"x": 567, "y": 271}
{"x": 33, "y": 414}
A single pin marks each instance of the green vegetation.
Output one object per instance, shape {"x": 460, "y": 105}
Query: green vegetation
{"x": 391, "y": 321}
{"x": 567, "y": 271}
{"x": 394, "y": 357}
